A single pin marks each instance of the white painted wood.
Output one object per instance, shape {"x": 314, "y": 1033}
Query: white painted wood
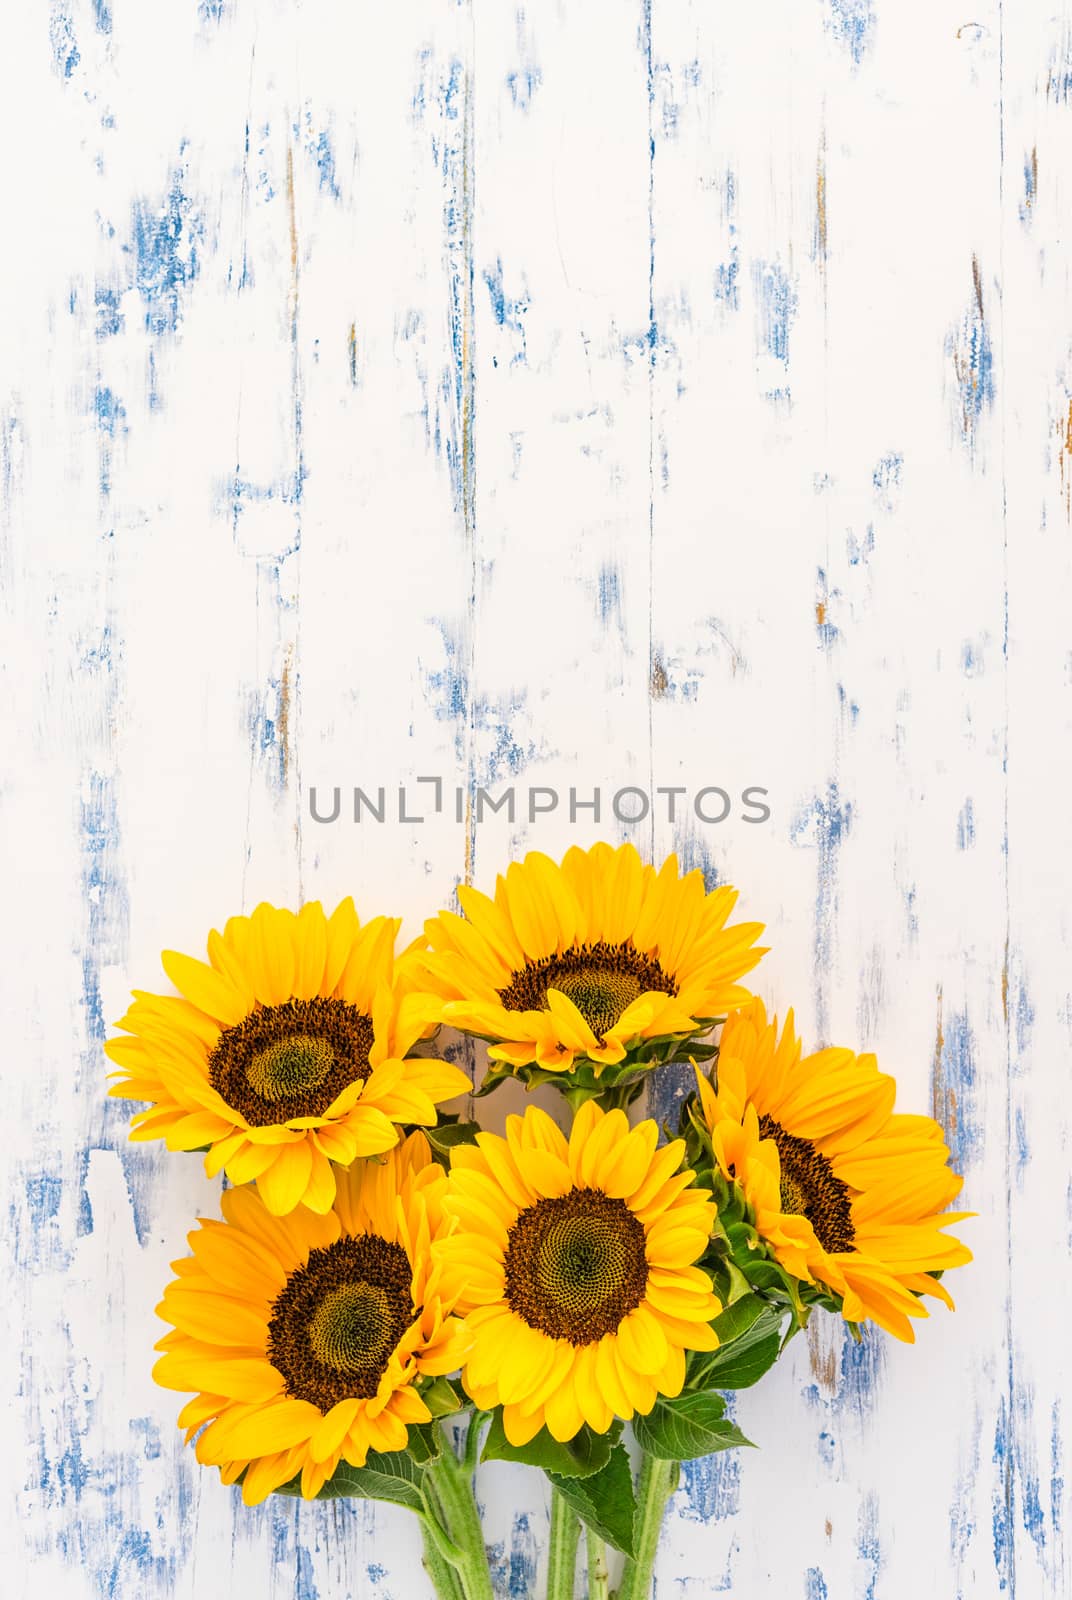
{"x": 594, "y": 395}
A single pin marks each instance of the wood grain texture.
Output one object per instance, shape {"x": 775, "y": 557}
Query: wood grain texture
{"x": 594, "y": 395}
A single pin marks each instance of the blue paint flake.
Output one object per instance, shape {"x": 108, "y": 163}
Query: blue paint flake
{"x": 304, "y": 1579}
{"x": 953, "y": 1091}
{"x": 726, "y": 281}
{"x": 111, "y": 424}
{"x": 323, "y": 156}
{"x": 972, "y": 658}
{"x": 887, "y": 479}
{"x": 513, "y": 1570}
{"x": 34, "y": 1226}
{"x": 485, "y": 728}
{"x": 43, "y": 1192}
{"x": 237, "y": 493}
{"x": 852, "y": 24}
{"x": 727, "y": 273}
{"x": 152, "y": 1448}
{"x": 140, "y": 1176}
{"x": 102, "y": 16}
{"x": 609, "y": 591}
{"x": 452, "y": 431}
{"x": 265, "y": 726}
{"x": 823, "y": 825}
{"x": 1027, "y": 204}
{"x": 862, "y": 1362}
{"x": 777, "y": 307}
{"x": 868, "y": 1544}
{"x": 969, "y": 348}
{"x": 1057, "y": 1478}
{"x": 966, "y": 826}
{"x": 522, "y": 84}
{"x": 165, "y": 240}
{"x": 961, "y": 1522}
{"x": 110, "y": 412}
{"x": 1022, "y": 1011}
{"x": 1003, "y": 1500}
{"x": 847, "y": 706}
{"x": 65, "y": 53}
{"x": 85, "y": 1206}
{"x": 860, "y": 551}
{"x": 815, "y": 1585}
{"x": 508, "y": 312}
{"x": 109, "y": 317}
{"x": 72, "y": 1469}
{"x": 104, "y": 890}
{"x": 134, "y": 1556}
{"x": 859, "y": 1370}
{"x": 825, "y": 628}
{"x": 712, "y": 1485}
{"x": 447, "y": 689}
{"x": 1059, "y": 74}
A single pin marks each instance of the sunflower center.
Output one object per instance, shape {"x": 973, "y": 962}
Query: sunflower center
{"x": 575, "y": 1265}
{"x": 338, "y": 1319}
{"x": 290, "y": 1067}
{"x": 350, "y": 1328}
{"x": 291, "y": 1060}
{"x": 601, "y": 979}
{"x": 810, "y": 1189}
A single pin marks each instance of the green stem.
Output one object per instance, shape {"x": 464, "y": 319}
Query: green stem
{"x": 562, "y": 1549}
{"x": 473, "y": 1435}
{"x": 448, "y": 1585}
{"x": 452, "y": 1508}
{"x": 657, "y": 1482}
{"x": 598, "y": 1573}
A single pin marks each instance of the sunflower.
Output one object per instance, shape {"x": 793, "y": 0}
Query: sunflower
{"x": 284, "y": 1053}
{"x": 573, "y": 1262}
{"x": 847, "y": 1193}
{"x": 305, "y": 1336}
{"x": 587, "y": 958}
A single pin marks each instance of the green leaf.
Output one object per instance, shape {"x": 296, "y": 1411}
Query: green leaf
{"x": 692, "y": 1425}
{"x": 751, "y": 1333}
{"x": 395, "y": 1477}
{"x": 582, "y": 1456}
{"x": 734, "y": 1322}
{"x": 442, "y": 1397}
{"x": 491, "y": 1081}
{"x": 744, "y": 1242}
{"x": 739, "y": 1362}
{"x": 423, "y": 1442}
{"x": 449, "y": 1134}
{"x": 605, "y": 1501}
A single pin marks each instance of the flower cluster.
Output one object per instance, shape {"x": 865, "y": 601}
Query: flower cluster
{"x": 382, "y": 1264}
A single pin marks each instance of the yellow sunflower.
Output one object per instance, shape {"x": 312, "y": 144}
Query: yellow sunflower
{"x": 304, "y": 1335}
{"x": 284, "y": 1053}
{"x": 846, "y": 1192}
{"x": 573, "y": 1262}
{"x": 587, "y": 958}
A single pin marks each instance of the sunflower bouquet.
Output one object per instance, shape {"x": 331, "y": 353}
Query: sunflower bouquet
{"x": 394, "y": 1295}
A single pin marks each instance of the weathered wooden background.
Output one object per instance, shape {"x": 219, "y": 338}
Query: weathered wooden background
{"x": 601, "y": 394}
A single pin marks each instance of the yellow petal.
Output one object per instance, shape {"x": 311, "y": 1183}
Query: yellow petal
{"x": 282, "y": 1185}
{"x": 311, "y": 950}
{"x": 207, "y": 990}
{"x": 328, "y": 1435}
{"x": 271, "y": 1427}
{"x": 216, "y": 1318}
